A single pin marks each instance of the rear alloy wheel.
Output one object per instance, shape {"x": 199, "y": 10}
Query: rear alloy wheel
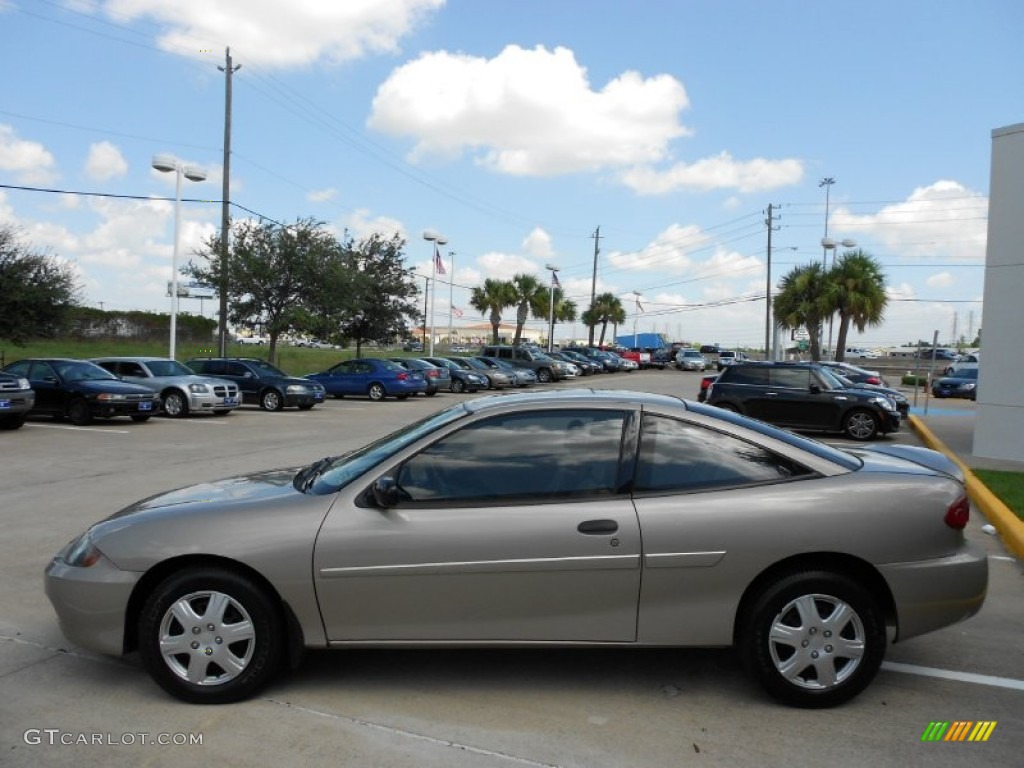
{"x": 271, "y": 400}
{"x": 210, "y": 636}
{"x": 175, "y": 404}
{"x": 458, "y": 385}
{"x": 79, "y": 413}
{"x": 860, "y": 425}
{"x": 814, "y": 639}
{"x": 376, "y": 392}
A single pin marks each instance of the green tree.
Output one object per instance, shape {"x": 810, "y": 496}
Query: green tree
{"x": 491, "y": 299}
{"x": 386, "y": 291}
{"x": 530, "y": 297}
{"x": 279, "y": 277}
{"x": 855, "y": 289}
{"x": 37, "y": 291}
{"x": 800, "y": 303}
{"x": 607, "y": 308}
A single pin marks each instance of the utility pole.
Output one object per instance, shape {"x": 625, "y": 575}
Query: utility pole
{"x": 768, "y": 291}
{"x": 225, "y": 204}
{"x": 593, "y": 280}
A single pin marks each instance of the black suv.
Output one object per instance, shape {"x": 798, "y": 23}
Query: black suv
{"x": 801, "y": 396}
{"x": 261, "y": 383}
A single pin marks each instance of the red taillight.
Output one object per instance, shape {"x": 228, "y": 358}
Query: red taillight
{"x": 959, "y": 513}
{"x": 403, "y": 376}
{"x": 874, "y": 380}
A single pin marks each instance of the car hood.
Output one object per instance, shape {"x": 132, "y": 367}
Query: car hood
{"x": 110, "y": 385}
{"x": 259, "y": 486}
{"x": 907, "y": 458}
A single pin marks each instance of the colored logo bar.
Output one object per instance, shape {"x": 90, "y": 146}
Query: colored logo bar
{"x": 959, "y": 730}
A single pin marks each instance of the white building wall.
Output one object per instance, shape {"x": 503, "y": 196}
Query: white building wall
{"x": 999, "y": 425}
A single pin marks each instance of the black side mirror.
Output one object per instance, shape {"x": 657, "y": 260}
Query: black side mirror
{"x": 815, "y": 389}
{"x": 385, "y": 492}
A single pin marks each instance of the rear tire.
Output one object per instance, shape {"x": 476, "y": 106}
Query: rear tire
{"x": 544, "y": 376}
{"x": 813, "y": 639}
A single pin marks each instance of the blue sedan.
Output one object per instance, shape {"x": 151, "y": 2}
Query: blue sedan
{"x": 369, "y": 376}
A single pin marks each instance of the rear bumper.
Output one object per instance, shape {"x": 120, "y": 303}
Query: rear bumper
{"x": 933, "y": 594}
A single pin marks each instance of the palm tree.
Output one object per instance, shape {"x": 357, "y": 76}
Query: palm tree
{"x": 529, "y": 296}
{"x": 493, "y": 298}
{"x": 607, "y": 308}
{"x": 855, "y": 288}
{"x": 801, "y": 302}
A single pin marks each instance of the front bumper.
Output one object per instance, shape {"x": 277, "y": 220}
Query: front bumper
{"x": 91, "y": 603}
{"x": 933, "y": 594}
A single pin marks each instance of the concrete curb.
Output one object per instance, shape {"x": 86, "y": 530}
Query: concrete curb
{"x": 1010, "y": 527}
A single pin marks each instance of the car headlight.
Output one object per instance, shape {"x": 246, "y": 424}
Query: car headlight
{"x": 108, "y": 397}
{"x": 198, "y": 389}
{"x": 23, "y": 384}
{"x": 297, "y": 389}
{"x": 968, "y": 387}
{"x": 885, "y": 402}
{"x": 81, "y": 553}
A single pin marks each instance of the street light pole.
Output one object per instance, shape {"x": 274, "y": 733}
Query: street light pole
{"x": 451, "y": 299}
{"x": 551, "y": 309}
{"x": 166, "y": 164}
{"x": 636, "y": 314}
{"x": 438, "y": 241}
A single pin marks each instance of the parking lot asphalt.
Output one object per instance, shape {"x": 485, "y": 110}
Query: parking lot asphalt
{"x": 423, "y": 708}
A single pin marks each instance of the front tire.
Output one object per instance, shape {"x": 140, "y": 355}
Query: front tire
{"x": 210, "y": 636}
{"x": 458, "y": 385}
{"x": 271, "y": 400}
{"x": 860, "y": 425}
{"x": 175, "y": 404}
{"x": 813, "y": 639}
{"x": 79, "y": 413}
{"x": 376, "y": 392}
{"x": 544, "y": 376}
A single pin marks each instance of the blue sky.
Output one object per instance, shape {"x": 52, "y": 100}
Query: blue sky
{"x": 516, "y": 129}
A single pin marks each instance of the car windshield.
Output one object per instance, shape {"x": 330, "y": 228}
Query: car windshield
{"x": 267, "y": 369}
{"x": 835, "y": 381}
{"x": 168, "y": 368}
{"x": 78, "y": 370}
{"x": 333, "y": 473}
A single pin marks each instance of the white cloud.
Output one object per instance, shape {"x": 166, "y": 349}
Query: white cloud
{"x": 264, "y": 31}
{"x": 944, "y": 220}
{"x": 505, "y": 266}
{"x": 322, "y": 195}
{"x": 105, "y": 161}
{"x": 668, "y": 252}
{"x": 718, "y": 172}
{"x": 529, "y": 112}
{"x": 361, "y": 225}
{"x": 538, "y": 243}
{"x": 941, "y": 280}
{"x": 30, "y": 161}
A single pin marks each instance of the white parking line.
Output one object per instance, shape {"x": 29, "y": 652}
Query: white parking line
{"x": 962, "y": 677}
{"x": 67, "y": 427}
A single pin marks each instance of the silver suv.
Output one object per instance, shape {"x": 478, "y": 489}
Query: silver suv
{"x": 547, "y": 368}
{"x": 181, "y": 389}
{"x": 690, "y": 360}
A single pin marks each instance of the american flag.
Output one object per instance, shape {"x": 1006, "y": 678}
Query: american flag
{"x": 438, "y": 264}
{"x": 456, "y": 312}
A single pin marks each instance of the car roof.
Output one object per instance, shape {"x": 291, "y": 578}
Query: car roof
{"x": 571, "y": 397}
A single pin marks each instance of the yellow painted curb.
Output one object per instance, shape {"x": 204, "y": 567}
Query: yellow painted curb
{"x": 1010, "y": 527}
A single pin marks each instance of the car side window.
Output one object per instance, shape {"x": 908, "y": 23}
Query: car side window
{"x": 236, "y": 369}
{"x": 748, "y": 374}
{"x": 791, "y": 378}
{"x": 530, "y": 456}
{"x": 679, "y": 456}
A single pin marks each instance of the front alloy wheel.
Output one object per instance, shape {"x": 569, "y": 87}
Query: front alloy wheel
{"x": 210, "y": 636}
{"x": 271, "y": 400}
{"x": 175, "y": 404}
{"x": 376, "y": 392}
{"x": 458, "y": 385}
{"x": 814, "y": 639}
{"x": 860, "y": 425}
